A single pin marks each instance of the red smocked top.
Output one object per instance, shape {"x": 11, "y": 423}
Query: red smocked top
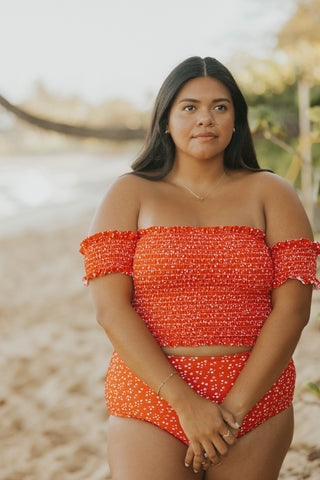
{"x": 201, "y": 285}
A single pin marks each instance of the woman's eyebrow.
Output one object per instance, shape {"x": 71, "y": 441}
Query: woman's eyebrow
{"x": 216, "y": 100}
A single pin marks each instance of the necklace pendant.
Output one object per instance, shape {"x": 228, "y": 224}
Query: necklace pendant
{"x": 199, "y": 197}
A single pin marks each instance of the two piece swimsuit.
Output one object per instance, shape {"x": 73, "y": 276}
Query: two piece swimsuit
{"x": 198, "y": 286}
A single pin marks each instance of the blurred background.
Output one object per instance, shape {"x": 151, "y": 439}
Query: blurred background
{"x": 77, "y": 84}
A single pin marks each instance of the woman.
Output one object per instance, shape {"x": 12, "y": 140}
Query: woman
{"x": 211, "y": 288}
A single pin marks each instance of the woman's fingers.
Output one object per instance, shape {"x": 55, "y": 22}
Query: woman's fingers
{"x": 189, "y": 456}
{"x": 198, "y": 458}
{"x": 228, "y": 436}
{"x": 220, "y": 445}
{"x": 232, "y": 426}
{"x": 201, "y": 456}
{"x": 206, "y": 462}
{"x": 211, "y": 453}
{"x": 229, "y": 418}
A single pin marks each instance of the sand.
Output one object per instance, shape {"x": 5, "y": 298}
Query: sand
{"x": 53, "y": 363}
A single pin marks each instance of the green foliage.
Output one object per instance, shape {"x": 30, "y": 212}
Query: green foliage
{"x": 262, "y": 120}
{"x": 286, "y": 99}
{"x": 314, "y": 388}
{"x": 272, "y": 156}
{"x": 315, "y": 95}
{"x": 278, "y": 115}
{"x": 316, "y": 154}
{"x": 314, "y": 114}
{"x": 280, "y": 109}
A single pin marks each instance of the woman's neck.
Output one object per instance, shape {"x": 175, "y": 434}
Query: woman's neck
{"x": 197, "y": 174}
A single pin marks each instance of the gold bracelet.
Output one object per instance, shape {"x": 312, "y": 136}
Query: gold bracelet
{"x": 164, "y": 381}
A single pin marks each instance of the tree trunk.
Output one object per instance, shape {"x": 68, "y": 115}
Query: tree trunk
{"x": 109, "y": 133}
{"x": 305, "y": 145}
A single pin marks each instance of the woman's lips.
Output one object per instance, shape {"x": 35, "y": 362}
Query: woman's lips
{"x": 206, "y": 137}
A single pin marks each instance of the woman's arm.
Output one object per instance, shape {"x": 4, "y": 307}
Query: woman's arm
{"x": 285, "y": 219}
{"x": 112, "y": 293}
{"x": 201, "y": 420}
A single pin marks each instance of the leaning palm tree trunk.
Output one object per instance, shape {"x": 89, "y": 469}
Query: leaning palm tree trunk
{"x": 118, "y": 134}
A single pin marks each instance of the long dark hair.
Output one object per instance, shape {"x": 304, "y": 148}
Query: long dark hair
{"x": 157, "y": 157}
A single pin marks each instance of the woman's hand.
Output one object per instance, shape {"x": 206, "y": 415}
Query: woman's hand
{"x": 238, "y": 415}
{"x": 210, "y": 431}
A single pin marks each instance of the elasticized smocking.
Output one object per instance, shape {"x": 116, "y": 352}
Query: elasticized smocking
{"x": 202, "y": 285}
{"x": 295, "y": 259}
{"x": 108, "y": 252}
{"x": 184, "y": 229}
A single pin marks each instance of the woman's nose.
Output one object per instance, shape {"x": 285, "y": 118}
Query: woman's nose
{"x": 206, "y": 123}
{"x": 206, "y": 120}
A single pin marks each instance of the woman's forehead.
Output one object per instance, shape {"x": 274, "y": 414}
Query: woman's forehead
{"x": 201, "y": 87}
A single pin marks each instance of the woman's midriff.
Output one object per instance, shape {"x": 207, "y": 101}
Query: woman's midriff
{"x": 205, "y": 350}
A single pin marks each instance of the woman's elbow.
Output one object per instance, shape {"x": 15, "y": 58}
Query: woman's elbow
{"x": 293, "y": 300}
{"x": 297, "y": 315}
{"x": 111, "y": 296}
{"x": 103, "y": 318}
{"x": 109, "y": 315}
{"x": 303, "y": 313}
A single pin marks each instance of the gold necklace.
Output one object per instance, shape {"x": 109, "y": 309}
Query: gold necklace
{"x": 201, "y": 198}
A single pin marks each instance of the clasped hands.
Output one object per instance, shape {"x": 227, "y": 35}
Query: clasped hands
{"x": 211, "y": 429}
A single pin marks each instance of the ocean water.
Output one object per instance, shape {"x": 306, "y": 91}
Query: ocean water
{"x": 47, "y": 191}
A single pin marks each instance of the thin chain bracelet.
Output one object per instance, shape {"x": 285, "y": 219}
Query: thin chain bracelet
{"x": 164, "y": 381}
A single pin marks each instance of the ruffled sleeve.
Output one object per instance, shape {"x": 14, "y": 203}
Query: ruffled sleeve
{"x": 108, "y": 252}
{"x": 295, "y": 259}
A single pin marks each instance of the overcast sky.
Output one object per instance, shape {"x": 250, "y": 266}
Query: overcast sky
{"x": 100, "y": 49}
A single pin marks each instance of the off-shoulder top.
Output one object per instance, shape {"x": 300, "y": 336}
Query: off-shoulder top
{"x": 201, "y": 285}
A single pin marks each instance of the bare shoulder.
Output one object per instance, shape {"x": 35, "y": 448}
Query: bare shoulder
{"x": 119, "y": 209}
{"x": 127, "y": 185}
{"x": 263, "y": 184}
{"x": 268, "y": 180}
{"x": 284, "y": 212}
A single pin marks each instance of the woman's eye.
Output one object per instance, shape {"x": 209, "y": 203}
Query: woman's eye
{"x": 189, "y": 108}
{"x": 220, "y": 107}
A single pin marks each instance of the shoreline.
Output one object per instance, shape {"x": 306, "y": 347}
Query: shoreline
{"x": 45, "y": 192}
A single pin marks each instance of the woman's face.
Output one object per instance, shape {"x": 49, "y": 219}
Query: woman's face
{"x": 201, "y": 119}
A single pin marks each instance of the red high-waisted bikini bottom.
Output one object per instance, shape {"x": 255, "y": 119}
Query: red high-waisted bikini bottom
{"x": 210, "y": 377}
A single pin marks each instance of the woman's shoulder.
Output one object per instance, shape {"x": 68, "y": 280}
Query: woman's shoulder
{"x": 129, "y": 184}
{"x": 274, "y": 189}
{"x": 268, "y": 179}
{"x": 267, "y": 184}
{"x": 119, "y": 209}
{"x": 262, "y": 178}
{"x": 126, "y": 180}
{"x": 284, "y": 213}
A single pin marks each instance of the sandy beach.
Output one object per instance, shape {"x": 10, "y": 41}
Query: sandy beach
{"x": 54, "y": 358}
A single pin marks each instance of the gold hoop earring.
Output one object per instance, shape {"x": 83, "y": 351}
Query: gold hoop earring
{"x": 234, "y": 129}
{"x": 167, "y": 132}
